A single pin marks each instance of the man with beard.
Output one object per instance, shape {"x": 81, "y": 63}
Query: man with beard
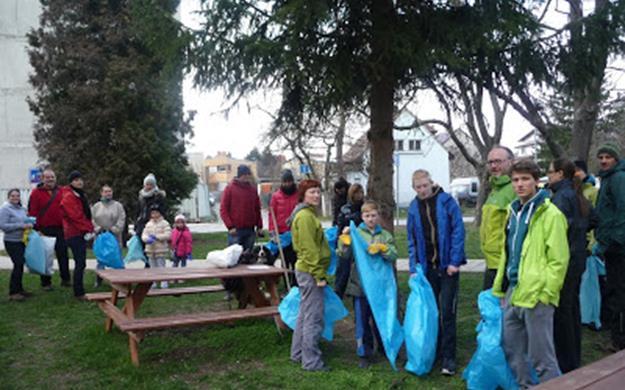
{"x": 45, "y": 205}
{"x": 283, "y": 201}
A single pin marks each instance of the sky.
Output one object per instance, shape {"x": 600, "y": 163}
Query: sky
{"x": 243, "y": 128}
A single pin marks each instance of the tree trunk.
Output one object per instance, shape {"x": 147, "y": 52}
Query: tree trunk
{"x": 381, "y": 104}
{"x": 340, "y": 138}
{"x": 482, "y": 174}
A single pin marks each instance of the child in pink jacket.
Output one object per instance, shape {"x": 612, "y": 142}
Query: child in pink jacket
{"x": 181, "y": 242}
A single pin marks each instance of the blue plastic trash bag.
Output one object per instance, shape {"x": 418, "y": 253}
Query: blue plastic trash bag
{"x": 285, "y": 240}
{"x": 420, "y": 325}
{"x": 135, "y": 250}
{"x": 378, "y": 282}
{"x": 332, "y": 237}
{"x": 107, "y": 251}
{"x": 333, "y": 310}
{"x": 589, "y": 292}
{"x": 35, "y": 254}
{"x": 488, "y": 368}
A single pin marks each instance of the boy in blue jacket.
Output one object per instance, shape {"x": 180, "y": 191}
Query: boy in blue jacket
{"x": 436, "y": 243}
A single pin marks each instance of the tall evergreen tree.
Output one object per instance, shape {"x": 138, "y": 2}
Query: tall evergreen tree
{"x": 108, "y": 81}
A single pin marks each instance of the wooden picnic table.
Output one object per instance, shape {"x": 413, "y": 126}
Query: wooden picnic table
{"x": 605, "y": 374}
{"x": 133, "y": 285}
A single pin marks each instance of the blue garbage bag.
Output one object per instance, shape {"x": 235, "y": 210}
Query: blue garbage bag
{"x": 107, "y": 251}
{"x": 285, "y": 239}
{"x": 378, "y": 282}
{"x": 35, "y": 255}
{"x": 135, "y": 250}
{"x": 333, "y": 310}
{"x": 488, "y": 368}
{"x": 332, "y": 235}
{"x": 420, "y": 325}
{"x": 590, "y": 293}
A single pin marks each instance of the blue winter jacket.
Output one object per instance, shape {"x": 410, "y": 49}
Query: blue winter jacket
{"x": 450, "y": 231}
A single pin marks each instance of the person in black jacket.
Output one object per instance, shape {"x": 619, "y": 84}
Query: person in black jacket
{"x": 567, "y": 195}
{"x": 340, "y": 198}
{"x": 349, "y": 212}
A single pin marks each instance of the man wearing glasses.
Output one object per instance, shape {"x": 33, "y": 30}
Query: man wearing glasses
{"x": 494, "y": 210}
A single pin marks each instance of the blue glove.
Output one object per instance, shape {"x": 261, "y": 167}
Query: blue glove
{"x": 151, "y": 239}
{"x": 30, "y": 220}
{"x": 189, "y": 256}
{"x": 597, "y": 250}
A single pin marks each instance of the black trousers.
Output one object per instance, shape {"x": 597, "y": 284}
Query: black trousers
{"x": 615, "y": 272}
{"x": 78, "y": 245}
{"x": 16, "y": 253}
{"x": 445, "y": 290}
{"x": 60, "y": 249}
{"x": 343, "y": 270}
{"x": 567, "y": 322}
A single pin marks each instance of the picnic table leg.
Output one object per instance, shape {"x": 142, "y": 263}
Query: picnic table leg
{"x": 109, "y": 321}
{"x": 133, "y": 302}
{"x": 272, "y": 286}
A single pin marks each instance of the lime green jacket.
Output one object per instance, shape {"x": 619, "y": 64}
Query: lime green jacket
{"x": 494, "y": 213}
{"x": 309, "y": 242}
{"x": 544, "y": 260}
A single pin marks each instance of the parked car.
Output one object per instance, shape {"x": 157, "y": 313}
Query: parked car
{"x": 465, "y": 190}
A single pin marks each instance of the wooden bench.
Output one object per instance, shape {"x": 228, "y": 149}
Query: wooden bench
{"x": 158, "y": 292}
{"x": 607, "y": 373}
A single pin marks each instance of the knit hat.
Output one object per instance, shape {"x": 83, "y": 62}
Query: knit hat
{"x": 156, "y": 207}
{"x": 73, "y": 176}
{"x": 609, "y": 148}
{"x": 180, "y": 217}
{"x": 287, "y": 175}
{"x": 243, "y": 170}
{"x": 150, "y": 178}
{"x": 304, "y": 186}
{"x": 581, "y": 164}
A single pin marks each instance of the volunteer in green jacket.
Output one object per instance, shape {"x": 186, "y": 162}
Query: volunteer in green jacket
{"x": 610, "y": 235}
{"x": 313, "y": 258}
{"x": 495, "y": 210}
{"x": 530, "y": 276}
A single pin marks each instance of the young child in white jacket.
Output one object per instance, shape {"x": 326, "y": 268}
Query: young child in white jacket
{"x": 156, "y": 235}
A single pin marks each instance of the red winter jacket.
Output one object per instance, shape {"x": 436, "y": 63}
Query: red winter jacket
{"x": 240, "y": 206}
{"x": 75, "y": 222}
{"x": 282, "y": 205}
{"x": 181, "y": 242}
{"x": 39, "y": 198}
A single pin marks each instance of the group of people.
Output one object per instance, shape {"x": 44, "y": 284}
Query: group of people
{"x": 64, "y": 212}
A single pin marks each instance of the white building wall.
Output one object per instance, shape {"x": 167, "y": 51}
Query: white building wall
{"x": 17, "y": 153}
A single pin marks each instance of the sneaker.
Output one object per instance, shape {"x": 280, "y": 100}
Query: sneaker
{"x": 363, "y": 363}
{"x": 448, "y": 371}
{"x": 26, "y": 294}
{"x": 228, "y": 296}
{"x": 16, "y": 297}
{"x": 66, "y": 283}
{"x": 164, "y": 285}
{"x": 81, "y": 298}
{"x": 323, "y": 368}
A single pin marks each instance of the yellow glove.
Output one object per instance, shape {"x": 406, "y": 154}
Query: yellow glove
{"x": 376, "y": 248}
{"x": 25, "y": 236}
{"x": 346, "y": 239}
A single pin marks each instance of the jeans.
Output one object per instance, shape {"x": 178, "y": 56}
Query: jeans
{"x": 244, "y": 237}
{"x": 179, "y": 260}
{"x": 16, "y": 252}
{"x": 60, "y": 248}
{"x": 445, "y": 290}
{"x": 366, "y": 328}
{"x": 78, "y": 245}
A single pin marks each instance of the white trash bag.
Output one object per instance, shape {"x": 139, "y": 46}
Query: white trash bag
{"x": 225, "y": 258}
{"x": 48, "y": 246}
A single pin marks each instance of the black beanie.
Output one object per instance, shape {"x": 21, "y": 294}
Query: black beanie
{"x": 581, "y": 164}
{"x": 73, "y": 176}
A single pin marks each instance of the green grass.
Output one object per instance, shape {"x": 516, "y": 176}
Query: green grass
{"x": 53, "y": 340}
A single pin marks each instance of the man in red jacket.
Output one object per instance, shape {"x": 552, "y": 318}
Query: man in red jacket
{"x": 77, "y": 227}
{"x": 240, "y": 209}
{"x": 45, "y": 205}
{"x": 283, "y": 201}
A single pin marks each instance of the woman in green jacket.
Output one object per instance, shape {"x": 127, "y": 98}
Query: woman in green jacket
{"x": 313, "y": 258}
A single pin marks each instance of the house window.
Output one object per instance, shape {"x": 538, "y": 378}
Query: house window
{"x": 399, "y": 145}
{"x": 414, "y": 144}
{"x": 223, "y": 168}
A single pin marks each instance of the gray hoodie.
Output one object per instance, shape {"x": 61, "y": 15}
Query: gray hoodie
{"x": 12, "y": 220}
